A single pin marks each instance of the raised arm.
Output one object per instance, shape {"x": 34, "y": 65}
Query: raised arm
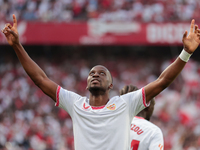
{"x": 32, "y": 69}
{"x": 190, "y": 44}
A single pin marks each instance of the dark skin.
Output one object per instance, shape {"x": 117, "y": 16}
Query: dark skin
{"x": 145, "y": 113}
{"x": 99, "y": 83}
{"x": 190, "y": 43}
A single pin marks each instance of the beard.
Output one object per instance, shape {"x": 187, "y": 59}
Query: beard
{"x": 97, "y": 90}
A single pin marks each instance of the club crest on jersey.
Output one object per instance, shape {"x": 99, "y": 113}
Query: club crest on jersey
{"x": 111, "y": 107}
{"x": 85, "y": 107}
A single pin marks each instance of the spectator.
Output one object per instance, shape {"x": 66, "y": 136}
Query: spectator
{"x": 106, "y": 10}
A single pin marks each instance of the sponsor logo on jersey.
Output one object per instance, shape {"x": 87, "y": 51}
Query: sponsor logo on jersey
{"x": 112, "y": 107}
{"x": 85, "y": 107}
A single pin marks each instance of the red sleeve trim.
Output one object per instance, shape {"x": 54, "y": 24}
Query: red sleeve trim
{"x": 57, "y": 95}
{"x": 144, "y": 97}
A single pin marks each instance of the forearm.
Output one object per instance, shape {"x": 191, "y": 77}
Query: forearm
{"x": 165, "y": 79}
{"x": 171, "y": 72}
{"x": 31, "y": 68}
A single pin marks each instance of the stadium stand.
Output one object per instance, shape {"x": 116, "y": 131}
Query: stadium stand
{"x": 104, "y": 10}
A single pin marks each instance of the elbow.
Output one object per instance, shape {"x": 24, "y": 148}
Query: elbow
{"x": 39, "y": 81}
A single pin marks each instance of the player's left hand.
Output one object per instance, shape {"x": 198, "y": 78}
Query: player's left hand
{"x": 191, "y": 42}
{"x": 11, "y": 33}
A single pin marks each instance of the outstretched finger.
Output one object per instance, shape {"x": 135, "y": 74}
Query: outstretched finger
{"x": 192, "y": 25}
{"x": 14, "y": 21}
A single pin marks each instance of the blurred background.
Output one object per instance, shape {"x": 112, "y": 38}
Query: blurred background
{"x": 135, "y": 39}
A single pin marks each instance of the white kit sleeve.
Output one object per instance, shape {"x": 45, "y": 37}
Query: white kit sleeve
{"x": 136, "y": 101}
{"x": 65, "y": 99}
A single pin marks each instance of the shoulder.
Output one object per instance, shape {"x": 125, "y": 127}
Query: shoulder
{"x": 65, "y": 91}
{"x": 155, "y": 129}
{"x": 132, "y": 95}
{"x": 67, "y": 95}
{"x": 116, "y": 100}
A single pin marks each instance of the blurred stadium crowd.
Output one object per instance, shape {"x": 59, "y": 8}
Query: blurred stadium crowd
{"x": 104, "y": 10}
{"x": 30, "y": 121}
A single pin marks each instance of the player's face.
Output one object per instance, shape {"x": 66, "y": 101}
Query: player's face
{"x": 99, "y": 79}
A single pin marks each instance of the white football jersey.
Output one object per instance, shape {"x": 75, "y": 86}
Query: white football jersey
{"x": 101, "y": 128}
{"x": 145, "y": 135}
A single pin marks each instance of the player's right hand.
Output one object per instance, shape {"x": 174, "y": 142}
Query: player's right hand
{"x": 11, "y": 32}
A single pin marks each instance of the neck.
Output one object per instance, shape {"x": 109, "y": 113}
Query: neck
{"x": 142, "y": 114}
{"x": 99, "y": 100}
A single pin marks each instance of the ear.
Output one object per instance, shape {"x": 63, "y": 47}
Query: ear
{"x": 86, "y": 88}
{"x": 110, "y": 86}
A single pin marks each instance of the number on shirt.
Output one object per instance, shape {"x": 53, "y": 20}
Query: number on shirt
{"x": 135, "y": 144}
